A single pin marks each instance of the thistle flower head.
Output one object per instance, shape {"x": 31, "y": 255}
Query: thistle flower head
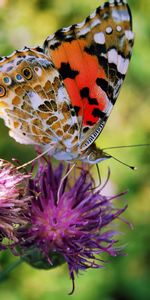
{"x": 68, "y": 219}
{"x": 13, "y": 204}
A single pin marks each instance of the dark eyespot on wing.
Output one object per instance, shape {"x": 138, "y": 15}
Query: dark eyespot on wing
{"x": 77, "y": 109}
{"x": 103, "y": 63}
{"x": 55, "y": 46}
{"x": 96, "y": 49}
{"x": 84, "y": 93}
{"x": 85, "y": 129}
{"x": 97, "y": 113}
{"x": 103, "y": 84}
{"x": 60, "y": 35}
{"x": 39, "y": 49}
{"x": 66, "y": 71}
{"x": 2, "y": 91}
{"x": 106, "y": 4}
{"x": 93, "y": 101}
{"x": 90, "y": 123}
{"x": 73, "y": 113}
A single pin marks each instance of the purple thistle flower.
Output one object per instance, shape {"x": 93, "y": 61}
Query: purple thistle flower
{"x": 68, "y": 220}
{"x": 13, "y": 203}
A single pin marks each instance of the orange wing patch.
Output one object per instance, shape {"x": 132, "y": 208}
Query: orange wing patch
{"x": 79, "y": 73}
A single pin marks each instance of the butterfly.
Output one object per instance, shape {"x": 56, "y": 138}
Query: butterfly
{"x": 60, "y": 96}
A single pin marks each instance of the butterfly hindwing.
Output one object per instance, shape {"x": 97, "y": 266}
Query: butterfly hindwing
{"x": 92, "y": 58}
{"x": 33, "y": 100}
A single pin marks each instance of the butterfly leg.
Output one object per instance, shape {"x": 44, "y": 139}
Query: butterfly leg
{"x": 63, "y": 179}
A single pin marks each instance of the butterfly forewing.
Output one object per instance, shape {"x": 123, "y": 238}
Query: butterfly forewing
{"x": 92, "y": 58}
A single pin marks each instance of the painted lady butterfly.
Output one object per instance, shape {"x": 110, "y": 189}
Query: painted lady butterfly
{"x": 60, "y": 96}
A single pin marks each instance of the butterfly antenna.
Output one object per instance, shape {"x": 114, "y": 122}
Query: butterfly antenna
{"x": 123, "y": 163}
{"x": 129, "y": 146}
{"x": 34, "y": 159}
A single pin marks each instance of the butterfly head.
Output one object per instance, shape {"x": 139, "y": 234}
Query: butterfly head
{"x": 94, "y": 155}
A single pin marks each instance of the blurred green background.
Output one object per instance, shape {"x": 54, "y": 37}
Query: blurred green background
{"x": 29, "y": 23}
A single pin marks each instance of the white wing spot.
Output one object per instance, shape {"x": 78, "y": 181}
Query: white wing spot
{"x": 35, "y": 100}
{"x": 95, "y": 23}
{"x": 83, "y": 31}
{"x": 116, "y": 16}
{"x": 66, "y": 29}
{"x": 119, "y": 28}
{"x": 113, "y": 56}
{"x": 38, "y": 71}
{"x": 126, "y": 64}
{"x": 109, "y": 30}
{"x": 124, "y": 16}
{"x": 122, "y": 64}
{"x": 109, "y": 108}
{"x": 61, "y": 95}
{"x": 111, "y": 2}
{"x": 51, "y": 37}
{"x": 80, "y": 25}
{"x": 119, "y": 2}
{"x": 93, "y": 15}
{"x": 99, "y": 38}
{"x": 129, "y": 35}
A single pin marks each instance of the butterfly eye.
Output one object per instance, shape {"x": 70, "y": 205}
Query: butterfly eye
{"x": 38, "y": 71}
{"x": 19, "y": 78}
{"x": 7, "y": 80}
{"x": 27, "y": 73}
{"x": 2, "y": 91}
